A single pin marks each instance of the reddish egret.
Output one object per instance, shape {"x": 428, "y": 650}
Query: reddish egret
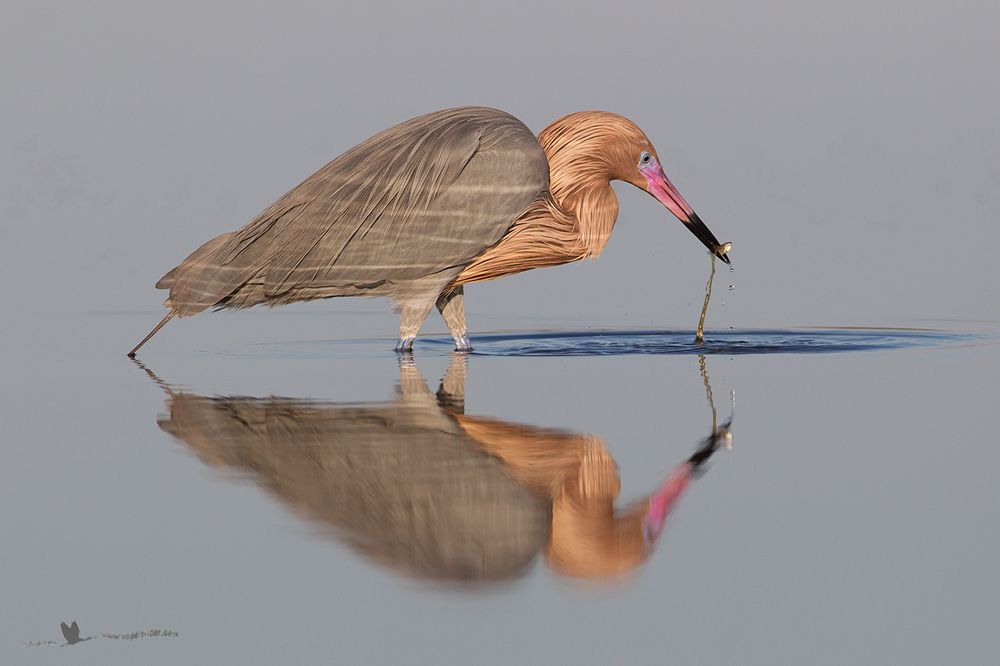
{"x": 425, "y": 207}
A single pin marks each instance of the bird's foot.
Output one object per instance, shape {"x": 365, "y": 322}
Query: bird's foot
{"x": 404, "y": 345}
{"x": 462, "y": 343}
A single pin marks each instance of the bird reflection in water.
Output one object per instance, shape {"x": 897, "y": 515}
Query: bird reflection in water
{"x": 431, "y": 492}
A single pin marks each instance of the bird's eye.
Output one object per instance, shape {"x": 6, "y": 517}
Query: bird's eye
{"x": 645, "y": 158}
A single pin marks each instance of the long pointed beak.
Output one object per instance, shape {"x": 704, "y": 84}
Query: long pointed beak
{"x": 664, "y": 191}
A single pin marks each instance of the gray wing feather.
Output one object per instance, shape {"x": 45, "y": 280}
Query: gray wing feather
{"x": 376, "y": 192}
{"x": 418, "y": 198}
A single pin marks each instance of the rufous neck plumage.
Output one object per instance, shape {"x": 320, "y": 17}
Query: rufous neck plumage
{"x": 586, "y": 151}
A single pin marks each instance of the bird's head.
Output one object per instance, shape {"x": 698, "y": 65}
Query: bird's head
{"x": 597, "y": 145}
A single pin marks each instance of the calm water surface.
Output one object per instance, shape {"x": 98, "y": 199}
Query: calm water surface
{"x": 270, "y": 499}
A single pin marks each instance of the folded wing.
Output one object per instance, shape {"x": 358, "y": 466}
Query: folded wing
{"x": 419, "y": 198}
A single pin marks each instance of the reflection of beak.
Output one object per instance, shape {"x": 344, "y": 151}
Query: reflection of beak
{"x": 661, "y": 188}
{"x": 662, "y": 501}
{"x": 721, "y": 437}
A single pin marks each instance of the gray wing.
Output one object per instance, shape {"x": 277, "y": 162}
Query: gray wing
{"x": 424, "y": 196}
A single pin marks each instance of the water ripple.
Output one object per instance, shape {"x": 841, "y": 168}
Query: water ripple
{"x": 626, "y": 342}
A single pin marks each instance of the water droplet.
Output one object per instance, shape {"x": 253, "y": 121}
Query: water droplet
{"x": 730, "y": 328}
{"x": 731, "y": 287}
{"x": 731, "y": 269}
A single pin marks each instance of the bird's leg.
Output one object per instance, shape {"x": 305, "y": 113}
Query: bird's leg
{"x": 414, "y": 312}
{"x": 451, "y": 305}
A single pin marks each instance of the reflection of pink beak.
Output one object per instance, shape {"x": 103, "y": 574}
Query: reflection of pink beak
{"x": 664, "y": 191}
{"x": 662, "y": 501}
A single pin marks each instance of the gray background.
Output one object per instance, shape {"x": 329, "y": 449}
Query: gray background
{"x": 850, "y": 152}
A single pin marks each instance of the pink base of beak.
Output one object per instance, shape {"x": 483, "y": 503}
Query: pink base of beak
{"x": 661, "y": 503}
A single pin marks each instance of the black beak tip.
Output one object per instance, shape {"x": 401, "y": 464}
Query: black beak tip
{"x": 702, "y": 233}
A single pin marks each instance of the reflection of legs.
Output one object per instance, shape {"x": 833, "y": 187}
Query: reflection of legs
{"x": 411, "y": 382}
{"x": 418, "y": 406}
{"x": 451, "y": 304}
{"x": 451, "y": 394}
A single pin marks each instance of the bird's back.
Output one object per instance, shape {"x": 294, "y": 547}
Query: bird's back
{"x": 420, "y": 198}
